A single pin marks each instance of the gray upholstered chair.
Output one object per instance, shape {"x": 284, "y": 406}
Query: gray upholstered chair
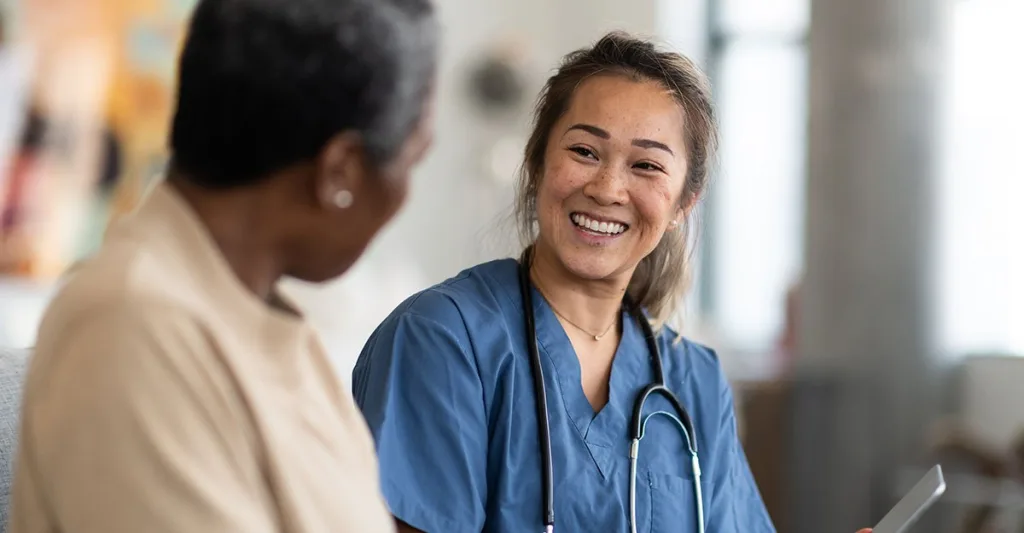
{"x": 12, "y": 373}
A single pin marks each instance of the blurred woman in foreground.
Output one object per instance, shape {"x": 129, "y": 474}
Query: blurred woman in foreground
{"x": 173, "y": 389}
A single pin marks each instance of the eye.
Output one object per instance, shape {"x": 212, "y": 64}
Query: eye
{"x": 583, "y": 152}
{"x": 647, "y": 166}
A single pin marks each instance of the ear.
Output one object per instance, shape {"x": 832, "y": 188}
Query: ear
{"x": 677, "y": 218}
{"x": 341, "y": 169}
{"x": 686, "y": 205}
{"x": 689, "y": 201}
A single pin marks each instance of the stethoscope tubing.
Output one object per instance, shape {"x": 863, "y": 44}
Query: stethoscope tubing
{"x": 540, "y": 391}
{"x": 637, "y": 426}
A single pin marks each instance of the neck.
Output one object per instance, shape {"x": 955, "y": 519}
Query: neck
{"x": 237, "y": 222}
{"x": 593, "y": 305}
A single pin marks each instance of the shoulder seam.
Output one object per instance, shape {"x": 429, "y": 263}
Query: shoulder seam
{"x": 410, "y": 312}
{"x": 469, "y": 350}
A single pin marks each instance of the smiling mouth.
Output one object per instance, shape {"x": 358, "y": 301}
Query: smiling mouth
{"x": 597, "y": 227}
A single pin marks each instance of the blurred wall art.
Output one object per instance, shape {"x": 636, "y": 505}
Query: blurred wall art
{"x": 88, "y": 89}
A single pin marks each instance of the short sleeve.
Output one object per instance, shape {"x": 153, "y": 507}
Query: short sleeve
{"x": 129, "y": 426}
{"x": 417, "y": 384}
{"x": 736, "y": 504}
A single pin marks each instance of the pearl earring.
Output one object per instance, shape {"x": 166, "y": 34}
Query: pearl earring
{"x": 343, "y": 199}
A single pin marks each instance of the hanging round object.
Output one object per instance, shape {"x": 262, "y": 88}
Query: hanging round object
{"x": 497, "y": 82}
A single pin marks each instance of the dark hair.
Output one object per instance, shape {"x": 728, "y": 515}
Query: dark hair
{"x": 264, "y": 84}
{"x": 661, "y": 278}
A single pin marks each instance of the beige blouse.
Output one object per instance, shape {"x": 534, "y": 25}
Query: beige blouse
{"x": 164, "y": 397}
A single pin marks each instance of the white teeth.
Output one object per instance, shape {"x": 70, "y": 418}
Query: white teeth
{"x": 609, "y": 228}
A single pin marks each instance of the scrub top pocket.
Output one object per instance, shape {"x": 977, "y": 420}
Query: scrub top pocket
{"x": 673, "y": 503}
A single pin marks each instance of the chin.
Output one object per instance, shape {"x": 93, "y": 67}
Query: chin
{"x": 325, "y": 269}
{"x": 591, "y": 265}
{"x": 320, "y": 275}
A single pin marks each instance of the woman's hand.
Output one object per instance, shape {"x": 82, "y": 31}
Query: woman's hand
{"x": 864, "y": 531}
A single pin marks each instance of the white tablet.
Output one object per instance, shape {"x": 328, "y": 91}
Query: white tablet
{"x": 914, "y": 504}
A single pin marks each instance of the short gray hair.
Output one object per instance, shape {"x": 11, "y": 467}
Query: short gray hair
{"x": 264, "y": 84}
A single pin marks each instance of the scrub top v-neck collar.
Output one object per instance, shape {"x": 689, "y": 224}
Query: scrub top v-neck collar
{"x": 630, "y": 370}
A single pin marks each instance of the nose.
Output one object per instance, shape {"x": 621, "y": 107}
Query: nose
{"x": 607, "y": 188}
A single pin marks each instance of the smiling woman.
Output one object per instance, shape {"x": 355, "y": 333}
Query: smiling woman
{"x": 617, "y": 155}
{"x": 520, "y": 391}
{"x": 648, "y": 112}
{"x": 448, "y": 383}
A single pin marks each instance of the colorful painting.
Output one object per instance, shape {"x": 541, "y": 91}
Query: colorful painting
{"x": 101, "y": 100}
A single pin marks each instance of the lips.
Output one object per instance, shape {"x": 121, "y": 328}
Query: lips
{"x": 597, "y": 225}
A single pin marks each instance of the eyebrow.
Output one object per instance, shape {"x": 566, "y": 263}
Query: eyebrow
{"x": 641, "y": 143}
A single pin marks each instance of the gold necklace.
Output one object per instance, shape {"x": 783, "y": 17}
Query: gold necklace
{"x": 597, "y": 337}
{"x": 577, "y": 326}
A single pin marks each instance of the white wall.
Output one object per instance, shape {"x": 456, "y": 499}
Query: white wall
{"x": 456, "y": 214}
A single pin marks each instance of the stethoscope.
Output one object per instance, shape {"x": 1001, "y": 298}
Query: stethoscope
{"x": 639, "y": 422}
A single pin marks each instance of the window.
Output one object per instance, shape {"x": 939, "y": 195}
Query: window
{"x": 753, "y": 240}
{"x": 757, "y": 60}
{"x": 981, "y": 246}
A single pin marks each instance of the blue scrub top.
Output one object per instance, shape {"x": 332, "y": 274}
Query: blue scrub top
{"x": 446, "y": 388}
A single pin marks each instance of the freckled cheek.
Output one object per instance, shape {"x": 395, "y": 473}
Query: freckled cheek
{"x": 561, "y": 181}
{"x": 655, "y": 208}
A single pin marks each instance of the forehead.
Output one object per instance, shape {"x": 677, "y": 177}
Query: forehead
{"x": 627, "y": 109}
